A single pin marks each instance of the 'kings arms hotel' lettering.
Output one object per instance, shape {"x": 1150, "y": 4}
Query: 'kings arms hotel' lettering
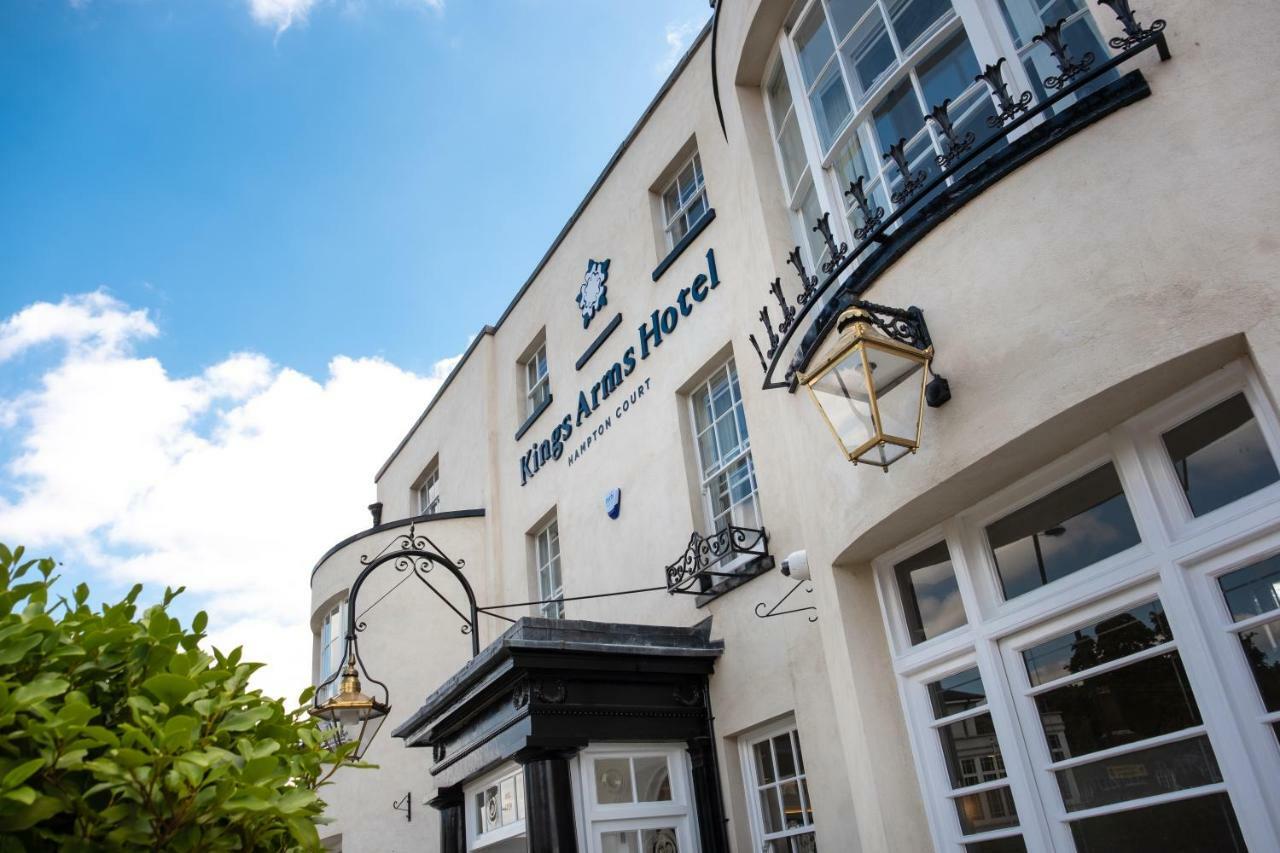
{"x": 661, "y": 323}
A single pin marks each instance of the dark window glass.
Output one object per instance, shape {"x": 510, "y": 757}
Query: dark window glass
{"x": 1188, "y": 826}
{"x": 898, "y": 116}
{"x": 1262, "y": 650}
{"x": 1013, "y": 844}
{"x": 986, "y": 811}
{"x": 1110, "y": 639}
{"x": 930, "y": 597}
{"x": 1145, "y": 773}
{"x": 971, "y": 751}
{"x": 1253, "y": 590}
{"x": 1220, "y": 456}
{"x": 1138, "y": 701}
{"x": 912, "y": 18}
{"x": 948, "y": 71}
{"x": 957, "y": 693}
{"x": 1063, "y": 532}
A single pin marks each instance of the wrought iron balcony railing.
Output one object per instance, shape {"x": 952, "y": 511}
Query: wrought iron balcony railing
{"x": 969, "y": 166}
{"x": 708, "y": 569}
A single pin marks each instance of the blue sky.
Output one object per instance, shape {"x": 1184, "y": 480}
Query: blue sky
{"x": 231, "y": 229}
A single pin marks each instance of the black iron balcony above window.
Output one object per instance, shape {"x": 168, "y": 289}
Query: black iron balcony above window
{"x": 1017, "y": 129}
{"x": 712, "y": 565}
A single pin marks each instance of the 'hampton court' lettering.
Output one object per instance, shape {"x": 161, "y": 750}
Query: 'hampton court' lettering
{"x": 661, "y": 323}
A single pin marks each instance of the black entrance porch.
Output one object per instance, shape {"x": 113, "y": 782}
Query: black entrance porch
{"x": 547, "y": 689}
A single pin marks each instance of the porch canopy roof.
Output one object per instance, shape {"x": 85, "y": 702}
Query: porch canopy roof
{"x": 552, "y": 686}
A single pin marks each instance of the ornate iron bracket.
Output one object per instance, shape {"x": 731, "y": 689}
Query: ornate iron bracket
{"x": 692, "y": 574}
{"x": 405, "y": 804}
{"x": 774, "y": 611}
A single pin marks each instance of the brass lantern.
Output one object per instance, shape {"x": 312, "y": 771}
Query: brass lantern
{"x": 871, "y": 389}
{"x": 350, "y": 713}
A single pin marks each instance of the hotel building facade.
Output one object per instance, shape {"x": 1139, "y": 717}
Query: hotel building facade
{"x": 1053, "y": 625}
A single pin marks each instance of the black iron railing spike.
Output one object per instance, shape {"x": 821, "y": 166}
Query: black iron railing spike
{"x": 1134, "y": 33}
{"x": 788, "y": 312}
{"x": 956, "y": 145}
{"x": 808, "y": 283}
{"x": 910, "y": 183}
{"x": 1009, "y": 106}
{"x": 835, "y": 252}
{"x": 768, "y": 327}
{"x": 1068, "y": 68}
{"x": 764, "y": 363}
{"x": 871, "y": 216}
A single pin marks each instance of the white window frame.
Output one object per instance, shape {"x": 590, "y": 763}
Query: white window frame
{"x": 537, "y": 380}
{"x": 753, "y": 784}
{"x": 988, "y": 35}
{"x": 550, "y": 593}
{"x": 707, "y": 479}
{"x": 331, "y": 636}
{"x": 598, "y": 818}
{"x": 477, "y": 840}
{"x": 428, "y": 494}
{"x": 1178, "y": 560}
{"x": 699, "y": 192}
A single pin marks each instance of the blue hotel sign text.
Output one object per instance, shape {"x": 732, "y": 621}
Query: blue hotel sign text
{"x": 661, "y": 323}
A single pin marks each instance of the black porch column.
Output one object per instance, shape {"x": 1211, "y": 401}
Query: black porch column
{"x": 453, "y": 825}
{"x": 706, "y": 794}
{"x": 549, "y": 821}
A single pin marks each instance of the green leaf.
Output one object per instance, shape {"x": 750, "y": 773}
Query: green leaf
{"x": 44, "y": 687}
{"x": 21, "y": 773}
{"x": 169, "y": 688}
{"x": 199, "y": 622}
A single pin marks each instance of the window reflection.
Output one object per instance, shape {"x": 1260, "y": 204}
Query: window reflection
{"x": 1186, "y": 826}
{"x": 1144, "y": 699}
{"x": 1144, "y": 773}
{"x": 972, "y": 751}
{"x": 930, "y": 596}
{"x": 1262, "y": 651}
{"x": 1012, "y": 844}
{"x": 1253, "y": 590}
{"x": 986, "y": 811}
{"x": 957, "y": 693}
{"x": 1220, "y": 456}
{"x": 1115, "y": 637}
{"x": 1078, "y": 525}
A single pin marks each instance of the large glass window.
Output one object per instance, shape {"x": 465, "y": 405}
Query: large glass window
{"x": 537, "y": 381}
{"x": 332, "y": 635}
{"x": 1138, "y": 711}
{"x": 684, "y": 201}
{"x": 724, "y": 451}
{"x": 550, "y": 585}
{"x": 636, "y": 798}
{"x": 429, "y": 492}
{"x": 779, "y": 791}
{"x": 495, "y": 811}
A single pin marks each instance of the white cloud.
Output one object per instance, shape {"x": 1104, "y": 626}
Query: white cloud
{"x": 231, "y": 482}
{"x": 678, "y": 37}
{"x": 282, "y": 14}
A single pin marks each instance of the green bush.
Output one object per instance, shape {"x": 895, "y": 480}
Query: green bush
{"x": 118, "y": 732}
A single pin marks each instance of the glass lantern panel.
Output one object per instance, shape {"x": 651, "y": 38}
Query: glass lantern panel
{"x": 898, "y": 397}
{"x": 842, "y": 394}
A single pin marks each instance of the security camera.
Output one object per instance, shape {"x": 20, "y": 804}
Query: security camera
{"x": 796, "y": 565}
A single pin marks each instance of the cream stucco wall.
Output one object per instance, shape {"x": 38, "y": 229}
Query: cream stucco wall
{"x": 1061, "y": 301}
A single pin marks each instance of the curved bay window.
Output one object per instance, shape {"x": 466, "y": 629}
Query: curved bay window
{"x": 852, "y": 81}
{"x": 1090, "y": 660}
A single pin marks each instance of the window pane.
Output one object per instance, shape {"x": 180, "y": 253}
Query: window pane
{"x": 971, "y": 751}
{"x": 793, "y": 157}
{"x": 869, "y": 54}
{"x": 1220, "y": 456}
{"x": 653, "y": 782}
{"x": 1253, "y": 590}
{"x": 851, "y": 163}
{"x": 1262, "y": 650}
{"x": 658, "y": 841}
{"x": 813, "y": 42}
{"x": 948, "y": 71}
{"x": 912, "y": 18}
{"x": 1012, "y": 844}
{"x": 1133, "y": 703}
{"x": 620, "y": 842}
{"x": 831, "y": 106}
{"x": 930, "y": 596}
{"x": 1027, "y": 18}
{"x": 899, "y": 116}
{"x": 1186, "y": 826}
{"x": 613, "y": 780}
{"x": 1062, "y": 533}
{"x": 845, "y": 13}
{"x": 986, "y": 811}
{"x": 764, "y": 763}
{"x": 957, "y": 693}
{"x": 779, "y": 95}
{"x": 792, "y": 811}
{"x": 770, "y": 812}
{"x": 1113, "y": 638}
{"x": 786, "y": 761}
{"x": 1145, "y": 773}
